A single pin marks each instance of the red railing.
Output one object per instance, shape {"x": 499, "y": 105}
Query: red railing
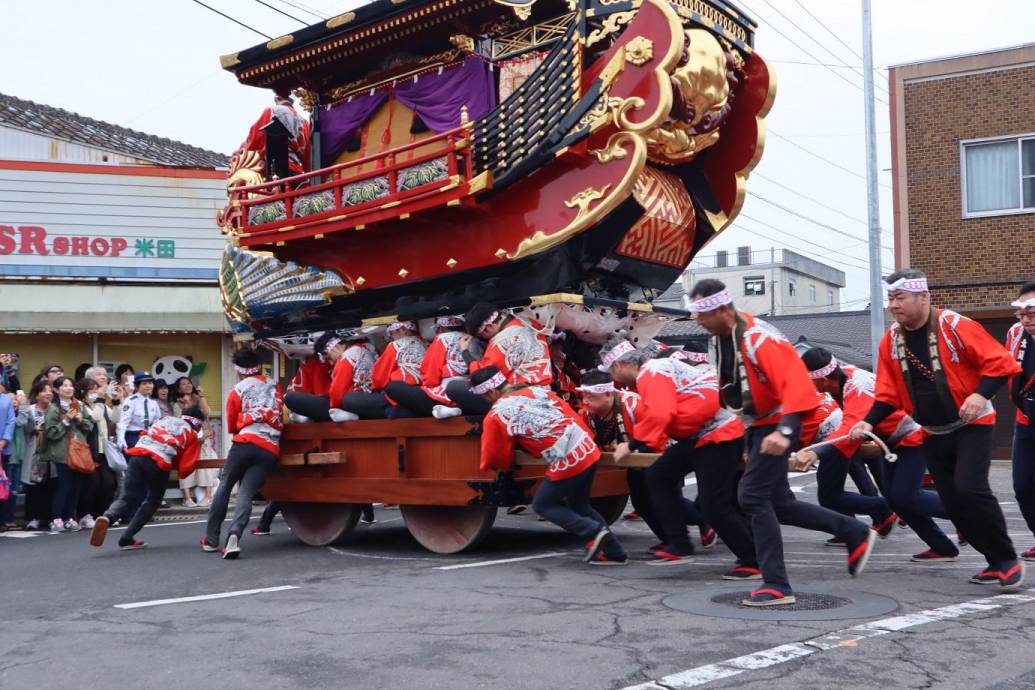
{"x": 454, "y": 147}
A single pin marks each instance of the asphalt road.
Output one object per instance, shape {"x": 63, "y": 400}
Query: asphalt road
{"x": 379, "y": 612}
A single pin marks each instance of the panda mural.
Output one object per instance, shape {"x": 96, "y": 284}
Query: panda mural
{"x": 171, "y": 368}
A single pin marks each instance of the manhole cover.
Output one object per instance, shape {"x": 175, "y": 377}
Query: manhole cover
{"x": 805, "y": 601}
{"x": 809, "y": 606}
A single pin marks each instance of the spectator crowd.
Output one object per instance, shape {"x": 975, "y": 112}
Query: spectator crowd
{"x": 39, "y": 421}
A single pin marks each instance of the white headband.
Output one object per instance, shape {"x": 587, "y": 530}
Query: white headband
{"x": 712, "y": 302}
{"x": 398, "y": 325}
{"x": 449, "y": 322}
{"x": 331, "y": 344}
{"x": 598, "y": 389}
{"x": 193, "y": 421}
{"x": 1026, "y": 304}
{"x": 609, "y": 358}
{"x": 492, "y": 384}
{"x": 692, "y": 357}
{"x": 492, "y": 319}
{"x": 907, "y": 284}
{"x": 824, "y": 372}
{"x": 247, "y": 371}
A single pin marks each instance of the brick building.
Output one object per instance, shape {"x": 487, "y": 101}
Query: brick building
{"x": 963, "y": 162}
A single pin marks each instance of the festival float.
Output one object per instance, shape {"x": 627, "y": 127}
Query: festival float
{"x": 563, "y": 158}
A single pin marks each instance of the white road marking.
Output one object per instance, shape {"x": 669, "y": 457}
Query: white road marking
{"x": 22, "y": 535}
{"x": 501, "y": 561}
{"x": 204, "y": 597}
{"x": 340, "y": 552}
{"x": 847, "y": 637}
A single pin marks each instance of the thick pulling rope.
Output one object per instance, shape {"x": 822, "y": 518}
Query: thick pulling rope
{"x": 888, "y": 455}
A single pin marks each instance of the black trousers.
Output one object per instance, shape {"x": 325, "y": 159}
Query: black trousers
{"x": 272, "y": 508}
{"x": 37, "y": 501}
{"x": 765, "y": 495}
{"x": 716, "y": 467}
{"x": 472, "y": 405}
{"x": 247, "y": 465}
{"x": 315, "y": 407}
{"x": 833, "y": 469}
{"x": 142, "y": 492}
{"x": 863, "y": 479}
{"x": 98, "y": 491}
{"x": 959, "y": 463}
{"x": 411, "y": 397}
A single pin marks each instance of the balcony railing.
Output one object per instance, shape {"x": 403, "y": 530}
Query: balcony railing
{"x": 375, "y": 187}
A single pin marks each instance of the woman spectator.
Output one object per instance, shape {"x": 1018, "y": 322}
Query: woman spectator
{"x": 124, "y": 374}
{"x": 98, "y": 487}
{"x": 35, "y": 478}
{"x": 65, "y": 419}
{"x": 52, "y": 370}
{"x": 185, "y": 395}
{"x": 161, "y": 394}
{"x": 8, "y": 406}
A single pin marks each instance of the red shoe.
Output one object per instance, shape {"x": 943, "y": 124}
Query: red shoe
{"x": 660, "y": 546}
{"x": 208, "y": 548}
{"x": 664, "y": 557}
{"x": 602, "y": 559}
{"x": 886, "y": 525}
{"x": 931, "y": 556}
{"x": 133, "y": 545}
{"x": 261, "y": 531}
{"x": 768, "y": 596}
{"x": 928, "y": 481}
{"x": 709, "y": 538}
{"x": 1028, "y": 555}
{"x": 859, "y": 553}
{"x": 633, "y": 515}
{"x": 742, "y": 572}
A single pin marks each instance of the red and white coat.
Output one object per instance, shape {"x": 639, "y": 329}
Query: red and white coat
{"x": 298, "y": 145}
{"x": 857, "y": 397}
{"x": 1014, "y": 338}
{"x": 352, "y": 373}
{"x": 820, "y": 422}
{"x": 967, "y": 353}
{"x": 313, "y": 377}
{"x": 680, "y": 401}
{"x": 778, "y": 379}
{"x": 538, "y": 421}
{"x": 254, "y": 413}
{"x": 629, "y": 404}
{"x": 520, "y": 353}
{"x": 443, "y": 361}
{"x": 401, "y": 361}
{"x": 172, "y": 443}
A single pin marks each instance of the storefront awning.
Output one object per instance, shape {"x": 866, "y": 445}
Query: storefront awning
{"x": 74, "y": 308}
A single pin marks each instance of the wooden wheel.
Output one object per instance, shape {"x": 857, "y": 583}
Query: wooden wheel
{"x": 448, "y": 529}
{"x": 610, "y": 507}
{"x": 321, "y": 524}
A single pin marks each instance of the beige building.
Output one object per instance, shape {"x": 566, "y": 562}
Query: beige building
{"x": 771, "y": 281}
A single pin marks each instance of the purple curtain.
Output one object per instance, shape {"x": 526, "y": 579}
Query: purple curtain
{"x": 436, "y": 98}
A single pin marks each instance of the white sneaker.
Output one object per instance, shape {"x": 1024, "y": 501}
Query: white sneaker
{"x": 342, "y": 416}
{"x": 232, "y": 550}
{"x": 87, "y": 522}
{"x": 33, "y": 524}
{"x": 72, "y": 526}
{"x": 57, "y": 527}
{"x": 189, "y": 503}
{"x": 444, "y": 412}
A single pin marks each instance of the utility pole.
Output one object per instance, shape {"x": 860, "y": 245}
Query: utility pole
{"x": 873, "y": 201}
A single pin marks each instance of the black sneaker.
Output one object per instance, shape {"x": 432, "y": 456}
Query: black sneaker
{"x": 1028, "y": 555}
{"x": 709, "y": 537}
{"x": 932, "y": 556}
{"x": 594, "y": 546}
{"x": 516, "y": 510}
{"x": 1011, "y": 575}
{"x": 859, "y": 553}
{"x": 988, "y": 576}
{"x": 883, "y": 529}
{"x": 770, "y": 595}
{"x": 261, "y": 531}
{"x": 134, "y": 545}
{"x": 666, "y": 557}
{"x": 603, "y": 559}
{"x": 834, "y": 541}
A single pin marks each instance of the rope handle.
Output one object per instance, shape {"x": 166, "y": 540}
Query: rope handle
{"x": 888, "y": 455}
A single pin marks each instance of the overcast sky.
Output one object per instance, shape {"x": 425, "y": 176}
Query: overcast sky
{"x": 154, "y": 67}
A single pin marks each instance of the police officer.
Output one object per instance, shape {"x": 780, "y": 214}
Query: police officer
{"x": 139, "y": 411}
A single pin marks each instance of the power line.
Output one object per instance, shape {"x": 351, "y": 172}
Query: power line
{"x": 811, "y": 63}
{"x": 822, "y": 158}
{"x": 305, "y": 8}
{"x": 834, "y": 34}
{"x": 811, "y": 37}
{"x": 227, "y": 16}
{"x": 809, "y": 198}
{"x": 810, "y": 219}
{"x": 277, "y": 9}
{"x": 840, "y": 262}
{"x": 804, "y": 50}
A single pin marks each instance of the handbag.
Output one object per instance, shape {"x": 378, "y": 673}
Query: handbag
{"x": 79, "y": 458}
{"x": 116, "y": 460}
{"x": 5, "y": 485}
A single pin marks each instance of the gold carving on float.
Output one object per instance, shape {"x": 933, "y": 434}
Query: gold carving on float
{"x": 609, "y": 200}
{"x": 306, "y": 98}
{"x": 584, "y": 199}
{"x": 463, "y": 42}
{"x": 639, "y": 51}
{"x": 522, "y": 10}
{"x": 403, "y": 273}
{"x": 280, "y": 42}
{"x": 226, "y": 61}
{"x": 452, "y": 263}
{"x": 610, "y": 26}
{"x": 246, "y": 168}
{"x": 340, "y": 20}
{"x": 611, "y": 152}
{"x": 663, "y": 68}
{"x": 686, "y": 8}
{"x": 361, "y": 280}
{"x": 530, "y": 37}
{"x": 703, "y": 85}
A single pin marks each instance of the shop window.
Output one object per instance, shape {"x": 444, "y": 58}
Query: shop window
{"x": 812, "y": 294}
{"x": 998, "y": 176}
